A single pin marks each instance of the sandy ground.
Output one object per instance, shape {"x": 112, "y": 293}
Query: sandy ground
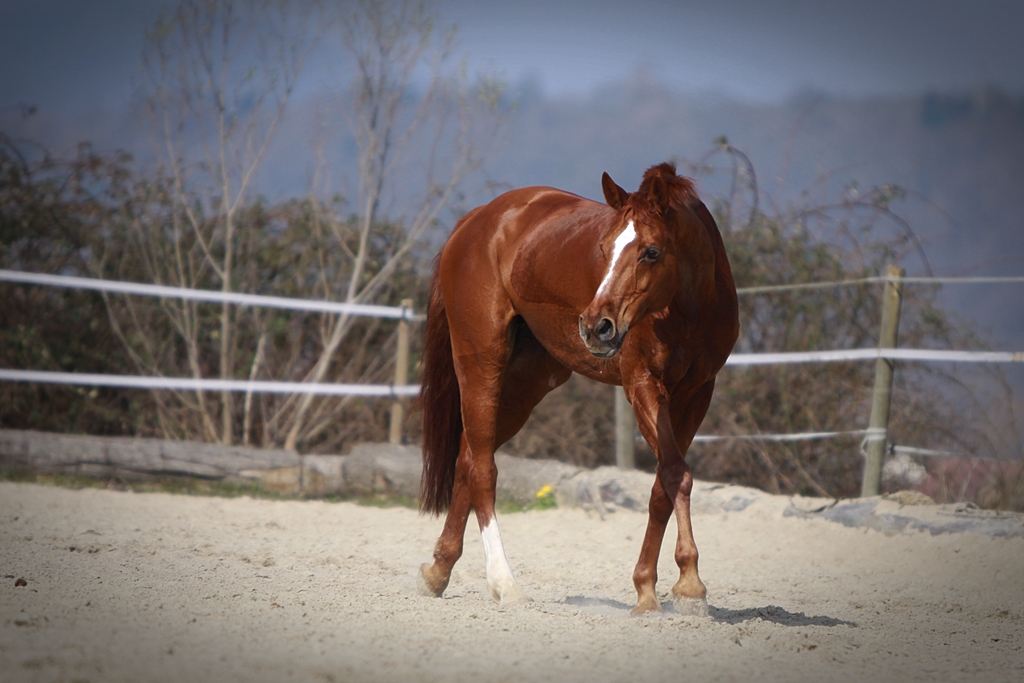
{"x": 158, "y": 587}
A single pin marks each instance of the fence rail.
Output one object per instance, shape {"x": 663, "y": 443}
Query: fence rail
{"x": 392, "y": 390}
{"x": 843, "y": 355}
{"x": 241, "y": 299}
{"x": 782, "y": 438}
{"x": 189, "y": 384}
{"x": 405, "y": 314}
{"x": 927, "y": 280}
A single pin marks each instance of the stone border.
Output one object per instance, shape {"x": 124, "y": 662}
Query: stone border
{"x": 390, "y": 469}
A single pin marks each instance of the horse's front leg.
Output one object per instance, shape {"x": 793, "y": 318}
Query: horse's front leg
{"x": 689, "y": 593}
{"x": 645, "y": 575}
{"x": 650, "y": 405}
{"x": 671, "y": 493}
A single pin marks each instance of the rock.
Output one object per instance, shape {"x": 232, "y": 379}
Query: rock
{"x": 910, "y": 497}
{"x": 322, "y": 475}
{"x": 382, "y": 468}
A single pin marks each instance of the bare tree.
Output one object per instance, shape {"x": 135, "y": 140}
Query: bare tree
{"x": 416, "y": 123}
{"x": 219, "y": 77}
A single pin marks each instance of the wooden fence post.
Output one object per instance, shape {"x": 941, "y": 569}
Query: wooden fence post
{"x": 625, "y": 428}
{"x": 878, "y": 425}
{"x": 401, "y": 375}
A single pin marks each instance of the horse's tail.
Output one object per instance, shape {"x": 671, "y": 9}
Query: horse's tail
{"x": 441, "y": 404}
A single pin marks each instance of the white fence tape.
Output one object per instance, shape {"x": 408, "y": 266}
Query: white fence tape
{"x": 187, "y": 384}
{"x": 764, "y": 289}
{"x": 895, "y": 449}
{"x": 874, "y": 354}
{"x": 871, "y": 434}
{"x": 395, "y": 312}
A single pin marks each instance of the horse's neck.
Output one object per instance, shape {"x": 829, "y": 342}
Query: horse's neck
{"x": 697, "y": 272}
{"x": 706, "y": 279}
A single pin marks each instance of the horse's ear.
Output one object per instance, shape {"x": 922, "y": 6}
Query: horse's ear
{"x": 613, "y": 194}
{"x": 659, "y": 192}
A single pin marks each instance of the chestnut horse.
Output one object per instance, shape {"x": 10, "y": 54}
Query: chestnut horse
{"x": 539, "y": 284}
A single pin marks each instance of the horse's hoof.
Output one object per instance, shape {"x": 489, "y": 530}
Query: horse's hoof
{"x": 512, "y": 598}
{"x": 690, "y": 607}
{"x": 645, "y": 607}
{"x": 507, "y": 594}
{"x": 428, "y": 586}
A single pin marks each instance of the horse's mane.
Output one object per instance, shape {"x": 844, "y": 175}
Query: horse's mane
{"x": 681, "y": 191}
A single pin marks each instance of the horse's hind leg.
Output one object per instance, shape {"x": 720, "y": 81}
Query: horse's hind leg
{"x": 481, "y": 389}
{"x": 529, "y": 374}
{"x": 490, "y": 420}
{"x": 433, "y": 578}
{"x": 475, "y": 481}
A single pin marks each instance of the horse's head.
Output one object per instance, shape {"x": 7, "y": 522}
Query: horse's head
{"x": 642, "y": 256}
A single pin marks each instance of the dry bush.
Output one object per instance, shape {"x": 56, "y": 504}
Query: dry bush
{"x": 49, "y": 208}
{"x": 79, "y": 216}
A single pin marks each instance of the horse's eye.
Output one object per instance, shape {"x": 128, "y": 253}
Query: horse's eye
{"x": 651, "y": 254}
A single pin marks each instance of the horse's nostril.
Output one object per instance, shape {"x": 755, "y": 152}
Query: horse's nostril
{"x": 605, "y": 329}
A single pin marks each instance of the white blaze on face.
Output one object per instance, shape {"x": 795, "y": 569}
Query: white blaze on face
{"x": 624, "y": 239}
{"x": 500, "y": 582}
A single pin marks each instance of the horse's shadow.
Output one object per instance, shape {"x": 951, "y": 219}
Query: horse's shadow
{"x": 772, "y": 613}
{"x": 597, "y": 605}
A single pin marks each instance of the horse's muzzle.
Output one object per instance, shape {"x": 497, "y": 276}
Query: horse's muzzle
{"x": 603, "y": 339}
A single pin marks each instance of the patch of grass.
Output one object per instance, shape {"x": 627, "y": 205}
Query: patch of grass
{"x": 377, "y": 500}
{"x": 545, "y": 500}
{"x": 159, "y": 484}
{"x": 506, "y": 505}
{"x": 68, "y": 481}
{"x": 196, "y": 487}
{"x": 206, "y": 487}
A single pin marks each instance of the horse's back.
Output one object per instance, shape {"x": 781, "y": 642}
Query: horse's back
{"x": 510, "y": 216}
{"x": 528, "y": 241}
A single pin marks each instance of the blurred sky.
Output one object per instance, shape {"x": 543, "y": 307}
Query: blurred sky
{"x": 750, "y": 49}
{"x": 73, "y": 56}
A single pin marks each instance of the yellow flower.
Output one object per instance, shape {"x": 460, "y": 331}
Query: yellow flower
{"x": 544, "y": 491}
